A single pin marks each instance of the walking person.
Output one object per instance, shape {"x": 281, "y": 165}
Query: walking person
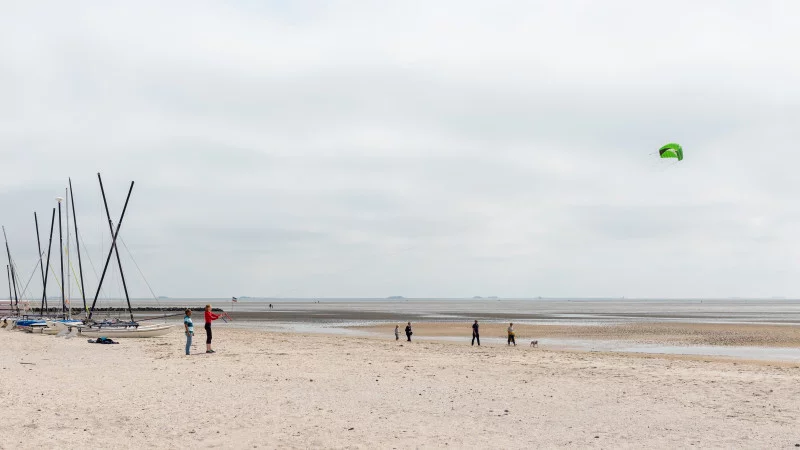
{"x": 397, "y": 332}
{"x": 210, "y": 316}
{"x": 511, "y": 335}
{"x": 476, "y": 334}
{"x": 189, "y": 326}
{"x": 408, "y": 331}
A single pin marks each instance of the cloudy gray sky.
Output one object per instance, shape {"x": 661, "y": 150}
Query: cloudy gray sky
{"x": 445, "y": 148}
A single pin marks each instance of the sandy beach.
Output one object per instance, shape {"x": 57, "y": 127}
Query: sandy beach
{"x": 723, "y": 334}
{"x": 614, "y": 178}
{"x": 276, "y": 390}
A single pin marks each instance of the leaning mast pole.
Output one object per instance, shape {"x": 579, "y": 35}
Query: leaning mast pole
{"x": 13, "y": 272}
{"x": 110, "y": 253}
{"x": 39, "y": 246}
{"x": 39, "y": 243}
{"x": 68, "y": 282}
{"x": 114, "y": 245}
{"x": 49, "y": 248}
{"x": 61, "y": 252}
{"x": 77, "y": 244}
{"x": 10, "y": 299}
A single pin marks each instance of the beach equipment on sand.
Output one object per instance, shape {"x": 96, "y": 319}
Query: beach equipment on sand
{"x": 118, "y": 329}
{"x": 102, "y": 340}
{"x": 48, "y": 321}
{"x": 112, "y": 329}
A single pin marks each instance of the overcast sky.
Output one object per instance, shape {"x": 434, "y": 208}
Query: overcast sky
{"x": 431, "y": 148}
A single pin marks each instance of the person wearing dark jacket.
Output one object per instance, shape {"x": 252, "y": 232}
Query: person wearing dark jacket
{"x": 511, "y": 339}
{"x": 408, "y": 331}
{"x": 476, "y": 334}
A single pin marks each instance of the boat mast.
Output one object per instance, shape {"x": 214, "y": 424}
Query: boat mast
{"x": 45, "y": 306}
{"x": 77, "y": 244}
{"x": 39, "y": 246}
{"x": 111, "y": 252}
{"x": 114, "y": 246}
{"x": 13, "y": 272}
{"x": 61, "y": 252}
{"x": 68, "y": 283}
{"x": 8, "y": 272}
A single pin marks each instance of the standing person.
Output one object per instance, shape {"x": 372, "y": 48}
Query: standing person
{"x": 476, "y": 334}
{"x": 189, "y": 326}
{"x": 408, "y": 331}
{"x": 397, "y": 332}
{"x": 210, "y": 316}
{"x": 511, "y": 335}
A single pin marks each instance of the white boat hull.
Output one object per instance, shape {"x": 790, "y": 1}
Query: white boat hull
{"x": 50, "y": 327}
{"x": 125, "y": 332}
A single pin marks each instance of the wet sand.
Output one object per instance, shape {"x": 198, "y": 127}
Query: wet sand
{"x": 751, "y": 335}
{"x": 277, "y": 390}
{"x": 532, "y": 311}
{"x": 322, "y": 314}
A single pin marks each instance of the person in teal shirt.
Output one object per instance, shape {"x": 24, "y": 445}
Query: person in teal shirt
{"x": 189, "y": 326}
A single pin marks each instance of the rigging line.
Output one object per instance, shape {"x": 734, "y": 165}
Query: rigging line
{"x": 113, "y": 281}
{"x": 75, "y": 275}
{"x": 140, "y": 271}
{"x": 55, "y": 276}
{"x": 25, "y": 290}
{"x": 118, "y": 284}
{"x": 66, "y": 279}
{"x": 119, "y": 287}
{"x": 85, "y": 249}
{"x": 155, "y": 297}
{"x": 18, "y": 283}
{"x": 668, "y": 166}
{"x": 91, "y": 263}
{"x": 22, "y": 295}
{"x": 94, "y": 269}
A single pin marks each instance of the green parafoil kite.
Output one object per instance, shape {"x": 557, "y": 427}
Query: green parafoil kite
{"x": 671, "y": 150}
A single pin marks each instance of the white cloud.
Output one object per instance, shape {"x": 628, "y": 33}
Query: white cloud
{"x": 414, "y": 148}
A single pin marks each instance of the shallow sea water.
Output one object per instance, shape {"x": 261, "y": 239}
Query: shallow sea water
{"x": 340, "y": 316}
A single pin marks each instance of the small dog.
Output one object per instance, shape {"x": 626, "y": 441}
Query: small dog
{"x": 534, "y": 343}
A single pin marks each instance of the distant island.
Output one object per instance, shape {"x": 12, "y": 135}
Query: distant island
{"x": 396, "y": 297}
{"x": 477, "y": 297}
{"x": 162, "y": 297}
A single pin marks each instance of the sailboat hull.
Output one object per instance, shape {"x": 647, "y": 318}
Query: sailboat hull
{"x": 125, "y": 332}
{"x": 44, "y": 326}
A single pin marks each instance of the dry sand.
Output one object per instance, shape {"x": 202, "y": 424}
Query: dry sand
{"x": 272, "y": 390}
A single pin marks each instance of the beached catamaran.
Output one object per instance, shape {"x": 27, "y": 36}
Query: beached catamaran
{"x": 113, "y": 328}
{"x": 14, "y": 315}
{"x": 12, "y": 310}
{"x": 40, "y": 324}
{"x": 54, "y": 323}
{"x": 25, "y": 319}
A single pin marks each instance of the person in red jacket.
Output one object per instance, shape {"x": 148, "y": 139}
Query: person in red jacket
{"x": 210, "y": 316}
